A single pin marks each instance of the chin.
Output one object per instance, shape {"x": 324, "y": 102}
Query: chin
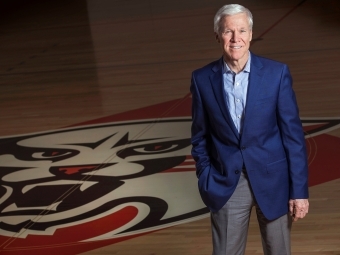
{"x": 238, "y": 56}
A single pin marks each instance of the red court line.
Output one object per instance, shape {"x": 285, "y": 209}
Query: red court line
{"x": 277, "y": 22}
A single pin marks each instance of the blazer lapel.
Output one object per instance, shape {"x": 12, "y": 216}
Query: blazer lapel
{"x": 218, "y": 88}
{"x": 254, "y": 86}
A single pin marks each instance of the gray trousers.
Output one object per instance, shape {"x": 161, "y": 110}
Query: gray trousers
{"x": 230, "y": 225}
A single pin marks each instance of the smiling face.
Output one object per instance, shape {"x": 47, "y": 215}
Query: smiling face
{"x": 234, "y": 37}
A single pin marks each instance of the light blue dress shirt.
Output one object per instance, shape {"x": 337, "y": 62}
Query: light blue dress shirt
{"x": 235, "y": 92}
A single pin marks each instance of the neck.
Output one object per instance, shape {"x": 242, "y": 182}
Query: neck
{"x": 237, "y": 66}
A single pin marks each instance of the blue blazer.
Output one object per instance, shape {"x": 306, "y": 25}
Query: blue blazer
{"x": 272, "y": 144}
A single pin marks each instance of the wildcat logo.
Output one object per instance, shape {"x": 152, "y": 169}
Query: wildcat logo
{"x": 56, "y": 179}
{"x": 103, "y": 183}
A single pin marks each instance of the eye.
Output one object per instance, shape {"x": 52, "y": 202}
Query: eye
{"x": 154, "y": 148}
{"x": 50, "y": 154}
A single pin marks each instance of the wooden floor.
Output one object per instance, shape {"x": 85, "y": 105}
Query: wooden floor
{"x": 73, "y": 63}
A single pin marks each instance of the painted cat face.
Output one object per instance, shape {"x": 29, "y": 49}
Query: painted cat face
{"x": 58, "y": 179}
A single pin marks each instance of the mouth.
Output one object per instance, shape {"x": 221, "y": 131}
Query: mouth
{"x": 235, "y": 47}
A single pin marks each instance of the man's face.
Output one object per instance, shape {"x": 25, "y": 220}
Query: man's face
{"x": 234, "y": 37}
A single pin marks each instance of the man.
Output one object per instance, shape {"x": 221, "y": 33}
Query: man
{"x": 248, "y": 141}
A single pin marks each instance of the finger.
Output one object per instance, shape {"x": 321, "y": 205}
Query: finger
{"x": 291, "y": 208}
{"x": 300, "y": 207}
{"x": 296, "y": 214}
{"x": 295, "y": 218}
{"x": 307, "y": 208}
{"x": 300, "y": 214}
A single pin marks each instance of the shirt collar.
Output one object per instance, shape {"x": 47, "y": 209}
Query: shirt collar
{"x": 246, "y": 68}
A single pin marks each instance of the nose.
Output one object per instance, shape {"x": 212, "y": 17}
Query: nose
{"x": 235, "y": 36}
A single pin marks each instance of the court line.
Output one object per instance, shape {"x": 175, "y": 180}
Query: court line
{"x": 277, "y": 22}
{"x": 143, "y": 131}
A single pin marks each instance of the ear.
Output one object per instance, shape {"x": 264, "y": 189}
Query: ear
{"x": 217, "y": 37}
{"x": 251, "y": 35}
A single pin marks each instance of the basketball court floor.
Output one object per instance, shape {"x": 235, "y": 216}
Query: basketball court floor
{"x": 95, "y": 122}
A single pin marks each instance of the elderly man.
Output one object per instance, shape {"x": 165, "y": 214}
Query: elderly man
{"x": 248, "y": 141}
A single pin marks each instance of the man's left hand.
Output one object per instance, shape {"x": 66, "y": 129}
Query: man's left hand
{"x": 298, "y": 208}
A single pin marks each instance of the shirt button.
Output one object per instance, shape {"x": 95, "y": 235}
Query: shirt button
{"x": 237, "y": 100}
{"x": 237, "y": 172}
{"x": 237, "y": 83}
{"x": 239, "y": 116}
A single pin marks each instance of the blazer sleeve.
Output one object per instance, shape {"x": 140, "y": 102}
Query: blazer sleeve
{"x": 293, "y": 137}
{"x": 199, "y": 130}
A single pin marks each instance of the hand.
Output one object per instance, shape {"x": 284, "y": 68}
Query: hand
{"x": 298, "y": 208}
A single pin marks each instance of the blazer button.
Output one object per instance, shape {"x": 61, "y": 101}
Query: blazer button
{"x": 243, "y": 148}
{"x": 237, "y": 172}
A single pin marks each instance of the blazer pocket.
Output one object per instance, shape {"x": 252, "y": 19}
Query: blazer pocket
{"x": 203, "y": 179}
{"x": 278, "y": 165}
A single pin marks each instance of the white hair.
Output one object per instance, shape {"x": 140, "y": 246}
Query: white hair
{"x": 229, "y": 10}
